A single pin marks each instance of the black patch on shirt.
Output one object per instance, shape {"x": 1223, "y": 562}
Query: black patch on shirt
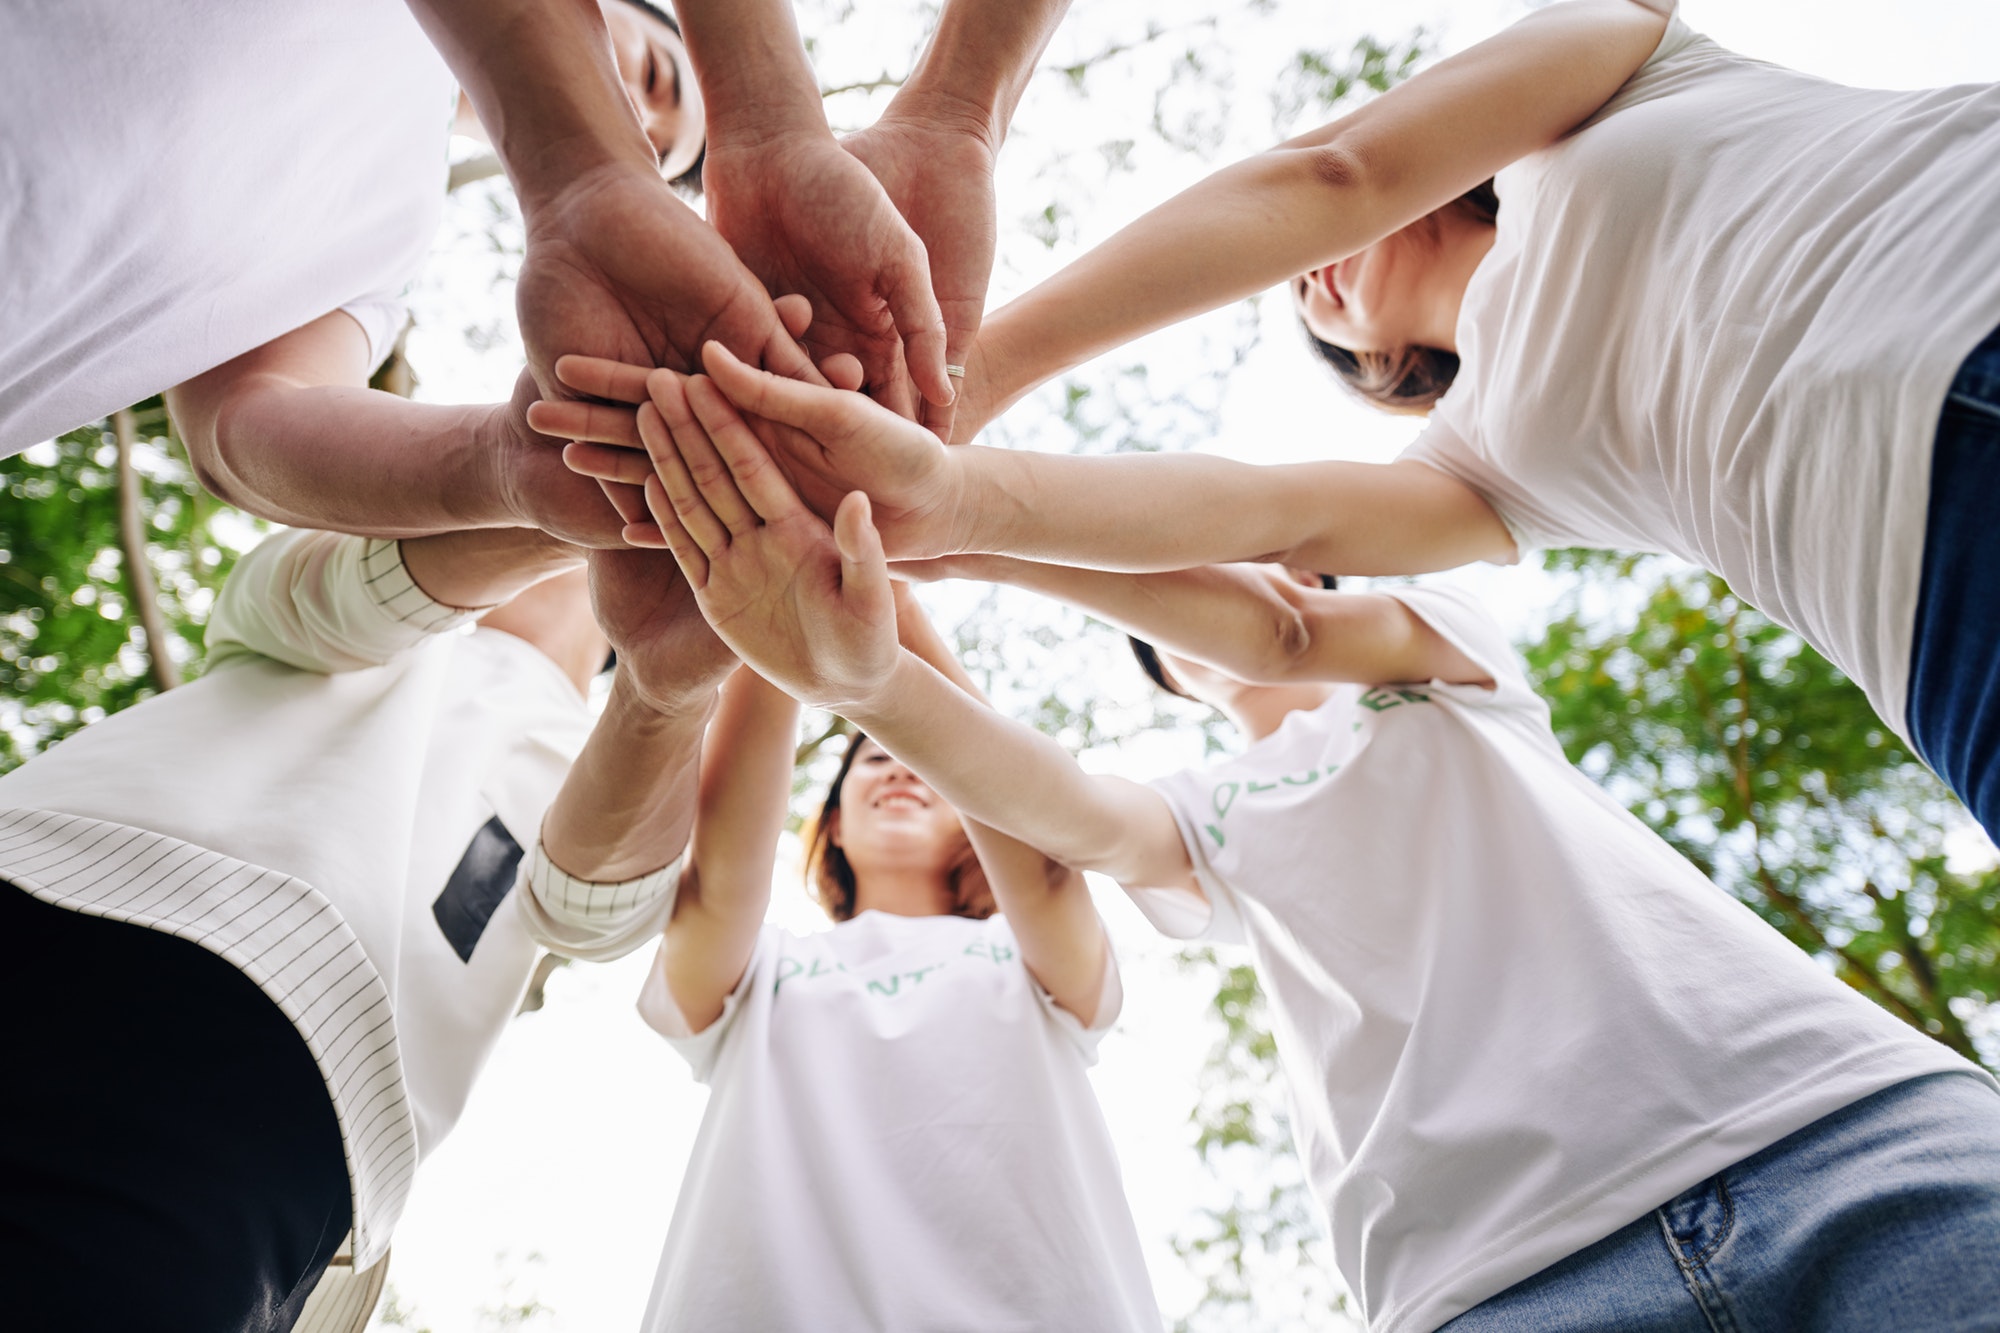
{"x": 484, "y": 876}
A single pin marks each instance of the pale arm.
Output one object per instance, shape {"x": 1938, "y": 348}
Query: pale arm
{"x": 1020, "y": 782}
{"x": 1047, "y": 904}
{"x": 1250, "y": 621}
{"x": 1134, "y": 512}
{"x": 812, "y": 610}
{"x": 1322, "y": 196}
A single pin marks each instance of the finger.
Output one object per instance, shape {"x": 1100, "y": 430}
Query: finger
{"x": 626, "y": 499}
{"x": 687, "y": 552}
{"x": 708, "y": 412}
{"x": 795, "y": 312}
{"x": 683, "y": 496}
{"x": 646, "y": 535}
{"x": 574, "y": 419}
{"x": 629, "y": 467}
{"x": 842, "y": 371}
{"x": 814, "y": 409}
{"x": 616, "y": 380}
{"x": 864, "y": 571}
{"x": 961, "y": 330}
{"x": 906, "y": 287}
{"x": 753, "y": 477}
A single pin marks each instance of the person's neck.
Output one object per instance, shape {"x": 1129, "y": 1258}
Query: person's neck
{"x": 1463, "y": 241}
{"x": 1261, "y": 709}
{"x": 903, "y": 892}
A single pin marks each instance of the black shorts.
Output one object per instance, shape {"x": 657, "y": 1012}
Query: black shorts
{"x": 169, "y": 1158}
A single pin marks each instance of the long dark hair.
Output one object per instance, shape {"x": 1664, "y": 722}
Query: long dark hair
{"x": 1405, "y": 379}
{"x": 831, "y": 876}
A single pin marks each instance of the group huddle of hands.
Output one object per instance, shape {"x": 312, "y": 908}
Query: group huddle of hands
{"x": 716, "y": 449}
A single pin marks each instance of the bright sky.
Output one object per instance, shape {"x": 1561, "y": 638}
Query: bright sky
{"x": 575, "y": 1140}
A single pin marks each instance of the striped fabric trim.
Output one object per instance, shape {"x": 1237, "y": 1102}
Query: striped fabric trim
{"x": 390, "y": 587}
{"x": 279, "y": 932}
{"x": 582, "y": 900}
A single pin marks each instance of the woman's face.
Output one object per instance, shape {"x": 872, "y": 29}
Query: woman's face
{"x": 1368, "y": 301}
{"x": 888, "y": 817}
{"x": 653, "y": 65}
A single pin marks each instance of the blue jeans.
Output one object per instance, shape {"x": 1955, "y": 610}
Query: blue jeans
{"x": 1884, "y": 1215}
{"x": 1954, "y": 703}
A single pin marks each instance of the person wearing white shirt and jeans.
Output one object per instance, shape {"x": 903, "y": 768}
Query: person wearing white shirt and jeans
{"x": 1724, "y": 310}
{"x": 1545, "y": 1074}
{"x": 274, "y": 920}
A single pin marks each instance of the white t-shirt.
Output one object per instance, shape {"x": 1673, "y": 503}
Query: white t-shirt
{"x": 901, "y": 1138}
{"x": 1511, "y": 1018}
{"x": 182, "y": 182}
{"x": 343, "y": 748}
{"x": 1720, "y": 321}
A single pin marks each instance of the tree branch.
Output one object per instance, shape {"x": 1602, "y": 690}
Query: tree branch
{"x": 139, "y": 584}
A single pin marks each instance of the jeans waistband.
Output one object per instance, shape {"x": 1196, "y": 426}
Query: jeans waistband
{"x": 1977, "y": 383}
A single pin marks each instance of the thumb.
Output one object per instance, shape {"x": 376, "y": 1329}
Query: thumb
{"x": 864, "y": 570}
{"x": 906, "y": 287}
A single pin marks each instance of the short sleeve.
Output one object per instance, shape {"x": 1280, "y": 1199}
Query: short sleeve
{"x": 1445, "y": 449}
{"x": 1183, "y": 914}
{"x": 325, "y": 601}
{"x": 1110, "y": 1001}
{"x": 381, "y": 319}
{"x": 704, "y": 1048}
{"x": 1459, "y": 617}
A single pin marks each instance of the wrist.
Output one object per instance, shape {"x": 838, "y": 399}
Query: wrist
{"x": 658, "y": 708}
{"x": 868, "y": 707}
{"x": 932, "y": 105}
{"x": 983, "y": 503}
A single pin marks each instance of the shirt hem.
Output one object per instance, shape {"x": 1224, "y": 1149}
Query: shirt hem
{"x": 1698, "y": 1156}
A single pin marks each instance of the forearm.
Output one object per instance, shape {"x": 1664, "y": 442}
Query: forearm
{"x": 629, "y": 800}
{"x": 484, "y": 566}
{"x": 978, "y": 63}
{"x": 1326, "y": 194}
{"x": 1148, "y": 512}
{"x": 353, "y": 460}
{"x": 1014, "y": 779}
{"x": 1248, "y": 227}
{"x": 1227, "y": 616}
{"x": 540, "y": 75}
{"x": 753, "y": 70}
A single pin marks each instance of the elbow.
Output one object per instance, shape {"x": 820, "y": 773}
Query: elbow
{"x": 1281, "y": 652}
{"x": 1341, "y": 166}
{"x": 204, "y": 435}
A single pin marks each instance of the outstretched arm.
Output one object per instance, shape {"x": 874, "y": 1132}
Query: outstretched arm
{"x": 805, "y": 216}
{"x": 934, "y": 146}
{"x": 291, "y": 432}
{"x": 1252, "y": 621}
{"x": 1135, "y": 512}
{"x": 616, "y": 264}
{"x": 816, "y": 615}
{"x": 1047, "y": 904}
{"x": 1320, "y": 197}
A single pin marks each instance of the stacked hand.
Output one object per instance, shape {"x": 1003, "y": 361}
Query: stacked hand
{"x": 809, "y": 219}
{"x": 826, "y": 442}
{"x": 940, "y": 177}
{"x": 808, "y": 606}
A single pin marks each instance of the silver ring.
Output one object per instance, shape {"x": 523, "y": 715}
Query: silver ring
{"x": 956, "y": 372}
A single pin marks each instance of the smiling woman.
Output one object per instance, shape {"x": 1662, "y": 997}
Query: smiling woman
{"x": 900, "y": 1121}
